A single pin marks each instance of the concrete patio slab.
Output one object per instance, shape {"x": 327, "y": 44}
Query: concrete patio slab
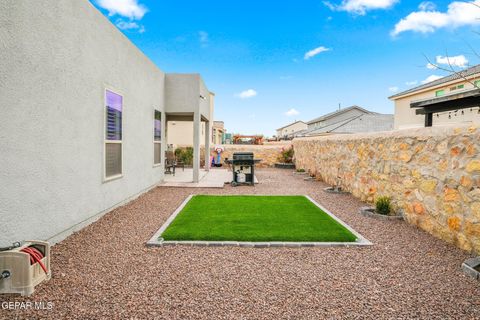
{"x": 215, "y": 178}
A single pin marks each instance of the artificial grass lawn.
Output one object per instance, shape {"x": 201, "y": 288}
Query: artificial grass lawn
{"x": 255, "y": 218}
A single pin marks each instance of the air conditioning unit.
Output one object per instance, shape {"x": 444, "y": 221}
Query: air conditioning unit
{"x": 24, "y": 267}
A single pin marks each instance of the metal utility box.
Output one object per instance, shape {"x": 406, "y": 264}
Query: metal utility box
{"x": 243, "y": 167}
{"x": 18, "y": 273}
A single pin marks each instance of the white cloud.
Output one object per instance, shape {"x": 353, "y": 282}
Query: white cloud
{"x": 127, "y": 25}
{"x": 292, "y": 112}
{"x": 250, "y": 93}
{"x": 428, "y": 20}
{"x": 312, "y": 53}
{"x": 427, "y": 6}
{"x": 393, "y": 89}
{"x": 203, "y": 37}
{"x": 411, "y": 83}
{"x": 431, "y": 78}
{"x": 126, "y": 8}
{"x": 459, "y": 61}
{"x": 361, "y": 6}
{"x": 455, "y": 61}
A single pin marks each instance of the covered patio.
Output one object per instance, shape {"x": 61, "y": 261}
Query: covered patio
{"x": 451, "y": 102}
{"x": 214, "y": 178}
{"x": 183, "y": 103}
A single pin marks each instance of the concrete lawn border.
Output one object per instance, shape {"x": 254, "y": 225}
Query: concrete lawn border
{"x": 156, "y": 241}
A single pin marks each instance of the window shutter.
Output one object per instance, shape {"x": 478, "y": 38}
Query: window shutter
{"x": 113, "y": 159}
{"x": 157, "y": 154}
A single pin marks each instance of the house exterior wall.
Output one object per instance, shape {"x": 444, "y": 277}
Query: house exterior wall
{"x": 180, "y": 133}
{"x": 337, "y": 118}
{"x": 294, "y": 127}
{"x": 405, "y": 116}
{"x": 218, "y": 131}
{"x": 57, "y": 59}
{"x": 184, "y": 94}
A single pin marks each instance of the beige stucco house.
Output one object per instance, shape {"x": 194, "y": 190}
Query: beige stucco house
{"x": 90, "y": 109}
{"x": 452, "y": 99}
{"x": 218, "y": 131}
{"x": 289, "y": 131}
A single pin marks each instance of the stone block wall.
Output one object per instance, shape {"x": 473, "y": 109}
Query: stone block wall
{"x": 267, "y": 153}
{"x": 431, "y": 174}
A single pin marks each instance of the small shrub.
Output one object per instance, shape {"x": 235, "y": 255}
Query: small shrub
{"x": 300, "y": 170}
{"x": 184, "y": 155}
{"x": 383, "y": 205}
{"x": 286, "y": 155}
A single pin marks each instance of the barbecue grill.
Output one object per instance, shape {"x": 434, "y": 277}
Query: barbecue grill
{"x": 243, "y": 167}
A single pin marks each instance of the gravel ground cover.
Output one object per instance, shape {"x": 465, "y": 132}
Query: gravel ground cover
{"x": 105, "y": 271}
{"x": 255, "y": 218}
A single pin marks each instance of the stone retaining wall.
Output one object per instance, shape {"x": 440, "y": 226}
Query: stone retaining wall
{"x": 268, "y": 153}
{"x": 431, "y": 174}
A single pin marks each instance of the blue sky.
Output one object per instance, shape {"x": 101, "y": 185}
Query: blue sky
{"x": 273, "y": 62}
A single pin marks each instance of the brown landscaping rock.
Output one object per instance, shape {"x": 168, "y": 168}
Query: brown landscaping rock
{"x": 105, "y": 271}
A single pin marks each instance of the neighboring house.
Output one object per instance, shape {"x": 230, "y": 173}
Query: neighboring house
{"x": 353, "y": 119}
{"x": 357, "y": 124}
{"x": 218, "y": 132}
{"x": 450, "y": 100}
{"x": 291, "y": 130}
{"x": 336, "y": 117}
{"x": 83, "y": 118}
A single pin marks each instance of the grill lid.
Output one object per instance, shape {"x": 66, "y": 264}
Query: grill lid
{"x": 243, "y": 156}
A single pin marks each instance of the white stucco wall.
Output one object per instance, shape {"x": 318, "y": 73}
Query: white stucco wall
{"x": 180, "y": 133}
{"x": 56, "y": 59}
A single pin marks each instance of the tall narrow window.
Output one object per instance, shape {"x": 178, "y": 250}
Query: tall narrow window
{"x": 113, "y": 134}
{"x": 157, "y": 137}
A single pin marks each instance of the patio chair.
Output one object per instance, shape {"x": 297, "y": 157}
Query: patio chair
{"x": 171, "y": 163}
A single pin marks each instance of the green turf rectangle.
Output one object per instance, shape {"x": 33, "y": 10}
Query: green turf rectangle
{"x": 255, "y": 219}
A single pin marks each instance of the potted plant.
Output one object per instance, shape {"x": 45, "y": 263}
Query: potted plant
{"x": 300, "y": 171}
{"x": 337, "y": 188}
{"x": 285, "y": 159}
{"x": 383, "y": 210}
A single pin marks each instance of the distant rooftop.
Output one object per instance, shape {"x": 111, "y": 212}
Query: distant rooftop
{"x": 360, "y": 123}
{"x": 291, "y": 124}
{"x": 455, "y": 76}
{"x": 338, "y": 112}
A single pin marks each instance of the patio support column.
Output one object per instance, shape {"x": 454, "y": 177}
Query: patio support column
{"x": 196, "y": 145}
{"x": 207, "y": 145}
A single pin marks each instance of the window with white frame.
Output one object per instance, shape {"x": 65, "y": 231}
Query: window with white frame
{"x": 157, "y": 137}
{"x": 113, "y": 134}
